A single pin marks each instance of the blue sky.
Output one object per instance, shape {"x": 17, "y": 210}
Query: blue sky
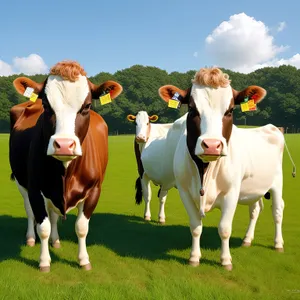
{"x": 172, "y": 35}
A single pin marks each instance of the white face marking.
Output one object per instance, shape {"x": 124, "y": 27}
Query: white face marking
{"x": 66, "y": 98}
{"x": 212, "y": 105}
{"x": 142, "y": 123}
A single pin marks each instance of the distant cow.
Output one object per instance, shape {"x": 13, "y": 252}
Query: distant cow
{"x": 58, "y": 153}
{"x": 217, "y": 165}
{"x": 154, "y": 158}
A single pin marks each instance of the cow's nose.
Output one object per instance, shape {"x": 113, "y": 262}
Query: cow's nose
{"x": 64, "y": 146}
{"x": 212, "y": 147}
{"x": 141, "y": 138}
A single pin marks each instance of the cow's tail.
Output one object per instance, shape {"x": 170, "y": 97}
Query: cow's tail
{"x": 291, "y": 159}
{"x": 139, "y": 192}
{"x": 12, "y": 177}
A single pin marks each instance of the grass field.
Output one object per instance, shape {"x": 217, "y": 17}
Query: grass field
{"x": 132, "y": 259}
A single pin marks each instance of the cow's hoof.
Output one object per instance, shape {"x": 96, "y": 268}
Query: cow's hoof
{"x": 87, "y": 267}
{"x": 162, "y": 221}
{"x": 56, "y": 245}
{"x": 246, "y": 244}
{"x": 194, "y": 263}
{"x": 280, "y": 250}
{"x": 227, "y": 267}
{"x": 147, "y": 218}
{"x": 45, "y": 269}
{"x": 30, "y": 243}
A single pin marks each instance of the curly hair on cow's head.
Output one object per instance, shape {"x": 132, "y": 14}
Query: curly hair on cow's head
{"x": 68, "y": 70}
{"x": 212, "y": 77}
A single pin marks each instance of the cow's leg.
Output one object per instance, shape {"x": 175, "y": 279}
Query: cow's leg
{"x": 254, "y": 211}
{"x": 44, "y": 230}
{"x": 82, "y": 228}
{"x": 228, "y": 208}
{"x": 54, "y": 232}
{"x": 277, "y": 210}
{"x": 195, "y": 226}
{"x": 85, "y": 211}
{"x": 147, "y": 196}
{"x": 162, "y": 200}
{"x": 30, "y": 235}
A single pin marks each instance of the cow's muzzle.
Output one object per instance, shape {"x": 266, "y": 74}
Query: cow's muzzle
{"x": 64, "y": 149}
{"x": 212, "y": 149}
{"x": 141, "y": 139}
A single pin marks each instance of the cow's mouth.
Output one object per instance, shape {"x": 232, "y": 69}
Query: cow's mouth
{"x": 209, "y": 158}
{"x": 64, "y": 158}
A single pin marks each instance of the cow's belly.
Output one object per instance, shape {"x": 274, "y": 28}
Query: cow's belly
{"x": 259, "y": 180}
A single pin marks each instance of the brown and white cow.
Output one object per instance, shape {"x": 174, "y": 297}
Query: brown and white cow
{"x": 217, "y": 165}
{"x": 58, "y": 153}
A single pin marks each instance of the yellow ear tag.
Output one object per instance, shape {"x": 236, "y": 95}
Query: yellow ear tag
{"x": 244, "y": 106}
{"x": 105, "y": 99}
{"x": 173, "y": 103}
{"x": 28, "y": 92}
{"x": 33, "y": 97}
{"x": 252, "y": 105}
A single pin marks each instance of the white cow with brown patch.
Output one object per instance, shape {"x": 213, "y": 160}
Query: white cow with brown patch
{"x": 217, "y": 165}
{"x": 154, "y": 146}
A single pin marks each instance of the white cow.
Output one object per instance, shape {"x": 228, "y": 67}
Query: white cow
{"x": 217, "y": 165}
{"x": 154, "y": 150}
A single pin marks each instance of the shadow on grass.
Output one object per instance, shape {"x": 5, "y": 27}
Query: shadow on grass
{"x": 125, "y": 235}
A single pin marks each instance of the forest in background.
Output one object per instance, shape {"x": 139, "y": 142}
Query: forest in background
{"x": 280, "y": 107}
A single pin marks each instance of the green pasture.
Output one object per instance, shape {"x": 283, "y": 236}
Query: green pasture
{"x": 133, "y": 259}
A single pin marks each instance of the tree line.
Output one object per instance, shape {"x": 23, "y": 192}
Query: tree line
{"x": 281, "y": 106}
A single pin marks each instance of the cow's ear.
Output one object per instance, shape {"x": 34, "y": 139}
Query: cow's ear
{"x": 112, "y": 87}
{"x": 131, "y": 118}
{"x": 21, "y": 83}
{"x": 254, "y": 92}
{"x": 153, "y": 118}
{"x": 166, "y": 92}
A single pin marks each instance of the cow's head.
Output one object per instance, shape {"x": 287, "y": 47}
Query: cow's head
{"x": 211, "y": 101}
{"x": 143, "y": 127}
{"x": 66, "y": 96}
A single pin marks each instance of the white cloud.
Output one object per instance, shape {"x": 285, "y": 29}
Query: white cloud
{"x": 195, "y": 54}
{"x": 244, "y": 44}
{"x": 30, "y": 65}
{"x": 5, "y": 69}
{"x": 281, "y": 26}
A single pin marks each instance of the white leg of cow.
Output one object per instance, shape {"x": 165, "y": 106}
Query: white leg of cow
{"x": 162, "y": 200}
{"x": 195, "y": 227}
{"x": 54, "y": 232}
{"x": 277, "y": 210}
{"x": 44, "y": 230}
{"x": 82, "y": 228}
{"x": 30, "y": 235}
{"x": 254, "y": 211}
{"x": 147, "y": 194}
{"x": 225, "y": 226}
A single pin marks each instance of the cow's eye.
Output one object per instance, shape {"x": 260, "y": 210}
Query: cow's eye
{"x": 229, "y": 112}
{"x": 88, "y": 106}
